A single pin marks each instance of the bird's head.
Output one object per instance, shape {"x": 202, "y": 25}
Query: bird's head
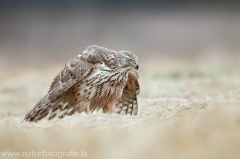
{"x": 128, "y": 59}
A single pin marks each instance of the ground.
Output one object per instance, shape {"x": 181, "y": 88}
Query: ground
{"x": 184, "y": 113}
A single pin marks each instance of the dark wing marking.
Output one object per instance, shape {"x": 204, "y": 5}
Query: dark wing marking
{"x": 128, "y": 103}
{"x": 74, "y": 70}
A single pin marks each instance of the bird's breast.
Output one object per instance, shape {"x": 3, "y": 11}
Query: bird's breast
{"x": 99, "y": 87}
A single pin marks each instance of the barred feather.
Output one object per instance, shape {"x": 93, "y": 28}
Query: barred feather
{"x": 128, "y": 102}
{"x": 98, "y": 79}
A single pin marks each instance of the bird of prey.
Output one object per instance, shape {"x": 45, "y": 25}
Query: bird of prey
{"x": 99, "y": 78}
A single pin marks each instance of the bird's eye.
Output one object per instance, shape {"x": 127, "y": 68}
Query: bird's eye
{"x": 128, "y": 60}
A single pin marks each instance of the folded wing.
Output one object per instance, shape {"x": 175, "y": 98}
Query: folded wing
{"x": 128, "y": 103}
{"x": 74, "y": 70}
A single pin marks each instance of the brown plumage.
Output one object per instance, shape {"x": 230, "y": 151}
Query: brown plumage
{"x": 98, "y": 78}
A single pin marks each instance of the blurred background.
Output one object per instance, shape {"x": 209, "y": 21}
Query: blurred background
{"x": 189, "y": 73}
{"x": 43, "y": 33}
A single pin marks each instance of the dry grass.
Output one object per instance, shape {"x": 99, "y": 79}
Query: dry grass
{"x": 189, "y": 101}
{"x": 184, "y": 114}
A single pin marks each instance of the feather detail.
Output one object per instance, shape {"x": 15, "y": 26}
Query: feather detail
{"x": 74, "y": 70}
{"x": 98, "y": 78}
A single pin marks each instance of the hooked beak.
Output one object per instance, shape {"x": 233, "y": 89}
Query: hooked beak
{"x": 136, "y": 66}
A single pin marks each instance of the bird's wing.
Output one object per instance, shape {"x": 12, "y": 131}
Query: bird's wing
{"x": 74, "y": 70}
{"x": 98, "y": 54}
{"x": 128, "y": 103}
{"x": 94, "y": 53}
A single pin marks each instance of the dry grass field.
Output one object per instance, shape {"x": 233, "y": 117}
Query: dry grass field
{"x": 189, "y": 104}
{"x": 184, "y": 113}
